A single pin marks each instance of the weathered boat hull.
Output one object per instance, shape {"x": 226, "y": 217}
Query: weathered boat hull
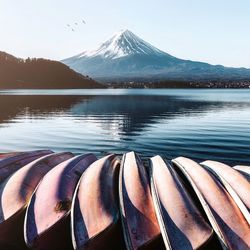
{"x": 47, "y": 217}
{"x": 15, "y": 193}
{"x": 244, "y": 170}
{"x": 228, "y": 222}
{"x": 12, "y": 233}
{"x": 7, "y": 155}
{"x": 182, "y": 225}
{"x": 56, "y": 238}
{"x": 39, "y": 189}
{"x": 236, "y": 184}
{"x": 11, "y": 164}
{"x": 96, "y": 225}
{"x": 139, "y": 220}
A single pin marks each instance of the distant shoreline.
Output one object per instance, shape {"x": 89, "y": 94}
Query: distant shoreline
{"x": 125, "y": 87}
{"x": 242, "y": 84}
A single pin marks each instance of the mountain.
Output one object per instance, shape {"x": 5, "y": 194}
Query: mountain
{"x": 40, "y": 74}
{"x": 126, "y": 56}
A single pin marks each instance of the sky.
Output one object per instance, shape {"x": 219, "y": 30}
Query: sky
{"x": 213, "y": 31}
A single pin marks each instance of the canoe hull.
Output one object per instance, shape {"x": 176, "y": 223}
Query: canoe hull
{"x": 182, "y": 225}
{"x": 12, "y": 232}
{"x": 224, "y": 215}
{"x": 47, "y": 220}
{"x": 140, "y": 226}
{"x": 96, "y": 226}
{"x": 234, "y": 182}
{"x": 111, "y": 238}
{"x": 244, "y": 170}
{"x": 16, "y": 192}
{"x": 56, "y": 238}
{"x": 7, "y": 155}
{"x": 11, "y": 164}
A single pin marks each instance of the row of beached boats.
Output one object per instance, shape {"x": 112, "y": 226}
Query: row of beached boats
{"x": 61, "y": 201}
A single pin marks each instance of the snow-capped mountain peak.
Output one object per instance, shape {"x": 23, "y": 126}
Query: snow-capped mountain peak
{"x": 122, "y": 44}
{"x": 126, "y": 56}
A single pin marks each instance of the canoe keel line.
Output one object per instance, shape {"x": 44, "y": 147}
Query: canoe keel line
{"x": 181, "y": 223}
{"x": 57, "y": 201}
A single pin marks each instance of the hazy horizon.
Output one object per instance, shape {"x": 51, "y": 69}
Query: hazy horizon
{"x": 213, "y": 32}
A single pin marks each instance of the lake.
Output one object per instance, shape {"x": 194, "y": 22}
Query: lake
{"x": 196, "y": 123}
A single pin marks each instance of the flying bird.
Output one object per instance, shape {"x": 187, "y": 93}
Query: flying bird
{"x": 70, "y": 26}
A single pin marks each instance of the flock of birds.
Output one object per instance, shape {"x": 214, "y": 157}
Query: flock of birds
{"x": 73, "y": 26}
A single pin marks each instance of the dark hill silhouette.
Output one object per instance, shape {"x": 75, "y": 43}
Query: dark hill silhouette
{"x": 38, "y": 73}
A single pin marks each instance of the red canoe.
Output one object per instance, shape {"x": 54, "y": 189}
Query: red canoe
{"x": 182, "y": 225}
{"x": 224, "y": 215}
{"x": 11, "y": 164}
{"x": 95, "y": 212}
{"x": 236, "y": 184}
{"x": 139, "y": 220}
{"x": 47, "y": 220}
{"x": 15, "y": 193}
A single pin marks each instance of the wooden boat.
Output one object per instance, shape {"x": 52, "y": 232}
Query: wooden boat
{"x": 140, "y": 226}
{"x": 236, "y": 184}
{"x": 95, "y": 211}
{"x": 47, "y": 220}
{"x": 15, "y": 193}
{"x": 182, "y": 225}
{"x": 224, "y": 215}
{"x": 243, "y": 169}
{"x": 11, "y": 164}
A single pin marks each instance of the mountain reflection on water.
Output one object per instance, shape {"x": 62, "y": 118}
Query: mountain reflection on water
{"x": 201, "y": 124}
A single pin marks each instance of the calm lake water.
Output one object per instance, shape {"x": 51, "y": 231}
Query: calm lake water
{"x": 201, "y": 124}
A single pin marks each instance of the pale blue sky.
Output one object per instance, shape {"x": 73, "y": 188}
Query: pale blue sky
{"x": 214, "y": 31}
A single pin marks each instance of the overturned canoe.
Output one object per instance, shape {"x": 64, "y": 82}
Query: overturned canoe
{"x": 236, "y": 184}
{"x": 139, "y": 220}
{"x": 47, "y": 224}
{"x": 95, "y": 211}
{"x": 224, "y": 215}
{"x": 11, "y": 164}
{"x": 244, "y": 169}
{"x": 182, "y": 225}
{"x": 7, "y": 155}
{"x": 15, "y": 193}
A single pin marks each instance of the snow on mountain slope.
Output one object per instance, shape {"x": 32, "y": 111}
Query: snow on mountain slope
{"x": 122, "y": 44}
{"x": 126, "y": 55}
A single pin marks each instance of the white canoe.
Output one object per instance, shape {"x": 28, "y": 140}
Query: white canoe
{"x": 15, "y": 194}
{"x": 236, "y": 184}
{"x": 182, "y": 225}
{"x": 244, "y": 169}
{"x": 95, "y": 210}
{"x": 224, "y": 215}
{"x": 140, "y": 225}
{"x": 11, "y": 164}
{"x": 47, "y": 219}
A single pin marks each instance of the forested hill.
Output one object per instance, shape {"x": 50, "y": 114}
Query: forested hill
{"x": 40, "y": 74}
